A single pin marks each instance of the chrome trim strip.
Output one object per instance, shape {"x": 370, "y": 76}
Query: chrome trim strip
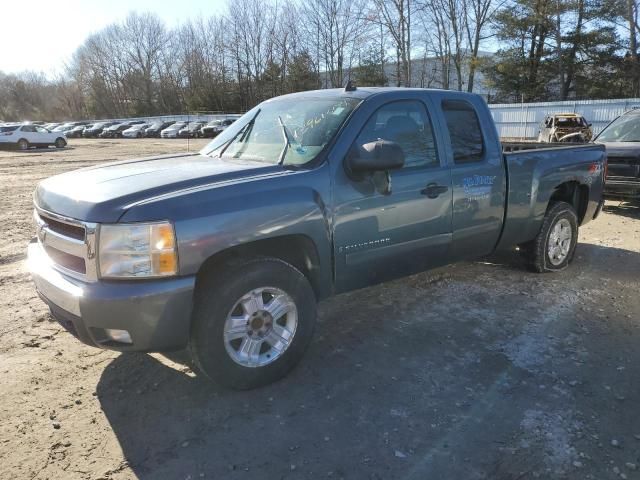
{"x": 74, "y": 247}
{"x": 60, "y": 218}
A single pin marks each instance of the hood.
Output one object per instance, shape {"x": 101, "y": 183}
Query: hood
{"x": 104, "y": 193}
{"x": 622, "y": 149}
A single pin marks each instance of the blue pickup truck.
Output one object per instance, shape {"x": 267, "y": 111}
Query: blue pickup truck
{"x": 308, "y": 195}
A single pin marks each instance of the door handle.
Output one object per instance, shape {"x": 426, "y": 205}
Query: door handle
{"x": 433, "y": 190}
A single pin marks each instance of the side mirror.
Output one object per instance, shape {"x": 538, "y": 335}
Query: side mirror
{"x": 381, "y": 155}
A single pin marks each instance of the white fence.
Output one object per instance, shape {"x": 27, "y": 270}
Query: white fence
{"x": 522, "y": 120}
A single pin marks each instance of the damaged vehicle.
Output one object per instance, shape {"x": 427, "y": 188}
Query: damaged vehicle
{"x": 622, "y": 140}
{"x": 227, "y": 251}
{"x": 565, "y": 128}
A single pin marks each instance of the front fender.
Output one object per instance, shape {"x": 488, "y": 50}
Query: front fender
{"x": 219, "y": 217}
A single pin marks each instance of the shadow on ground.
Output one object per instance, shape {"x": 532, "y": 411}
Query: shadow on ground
{"x": 625, "y": 209}
{"x": 417, "y": 378}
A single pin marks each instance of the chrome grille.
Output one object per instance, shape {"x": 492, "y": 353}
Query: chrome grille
{"x": 69, "y": 244}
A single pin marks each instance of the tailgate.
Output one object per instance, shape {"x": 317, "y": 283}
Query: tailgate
{"x": 627, "y": 168}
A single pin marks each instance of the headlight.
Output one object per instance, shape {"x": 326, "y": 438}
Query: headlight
{"x": 137, "y": 250}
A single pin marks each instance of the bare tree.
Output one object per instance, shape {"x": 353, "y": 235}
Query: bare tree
{"x": 337, "y": 27}
{"x": 477, "y": 16}
{"x": 395, "y": 16}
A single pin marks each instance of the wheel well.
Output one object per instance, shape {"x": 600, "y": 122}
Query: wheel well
{"x": 574, "y": 194}
{"x": 297, "y": 250}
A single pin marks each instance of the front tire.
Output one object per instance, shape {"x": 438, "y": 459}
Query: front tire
{"x": 554, "y": 247}
{"x": 253, "y": 321}
{"x": 60, "y": 143}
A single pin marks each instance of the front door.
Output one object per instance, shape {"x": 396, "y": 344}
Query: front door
{"x": 383, "y": 232}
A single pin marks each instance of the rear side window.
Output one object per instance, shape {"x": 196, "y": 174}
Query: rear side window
{"x": 464, "y": 131}
{"x": 12, "y": 128}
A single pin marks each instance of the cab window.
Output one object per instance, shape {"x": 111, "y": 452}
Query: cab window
{"x": 406, "y": 123}
{"x": 464, "y": 131}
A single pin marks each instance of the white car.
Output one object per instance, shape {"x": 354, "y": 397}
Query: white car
{"x": 29, "y": 135}
{"x": 172, "y": 131}
{"x": 135, "y": 131}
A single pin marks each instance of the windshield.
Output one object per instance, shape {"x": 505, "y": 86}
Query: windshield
{"x": 287, "y": 131}
{"x": 568, "y": 122}
{"x": 625, "y": 128}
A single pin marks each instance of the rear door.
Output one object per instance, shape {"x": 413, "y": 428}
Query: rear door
{"x": 28, "y": 132}
{"x": 477, "y": 174}
{"x": 380, "y": 235}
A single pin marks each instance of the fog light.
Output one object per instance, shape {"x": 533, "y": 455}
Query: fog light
{"x": 121, "y": 336}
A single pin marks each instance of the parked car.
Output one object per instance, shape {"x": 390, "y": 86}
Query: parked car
{"x": 135, "y": 131}
{"x": 565, "y": 128}
{"x": 96, "y": 129}
{"x": 192, "y": 130}
{"x": 25, "y": 136}
{"x": 51, "y": 126}
{"x": 215, "y": 127}
{"x": 622, "y": 140}
{"x": 372, "y": 184}
{"x": 115, "y": 130}
{"x": 77, "y": 131}
{"x": 172, "y": 130}
{"x": 155, "y": 129}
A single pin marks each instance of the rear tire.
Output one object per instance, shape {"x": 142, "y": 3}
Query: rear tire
{"x": 23, "y": 144}
{"x": 60, "y": 143}
{"x": 235, "y": 340}
{"x": 554, "y": 247}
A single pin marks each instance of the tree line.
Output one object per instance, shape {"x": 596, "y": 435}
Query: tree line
{"x": 257, "y": 49}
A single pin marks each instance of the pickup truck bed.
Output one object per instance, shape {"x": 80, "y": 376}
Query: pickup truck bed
{"x": 535, "y": 170}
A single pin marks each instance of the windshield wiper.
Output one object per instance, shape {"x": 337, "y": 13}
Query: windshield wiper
{"x": 287, "y": 142}
{"x": 245, "y": 131}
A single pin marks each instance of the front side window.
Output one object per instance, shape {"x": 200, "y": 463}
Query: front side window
{"x": 464, "y": 131}
{"x": 287, "y": 131}
{"x": 407, "y": 124}
{"x": 28, "y": 128}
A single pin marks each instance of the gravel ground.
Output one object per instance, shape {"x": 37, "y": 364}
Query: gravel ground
{"x": 478, "y": 370}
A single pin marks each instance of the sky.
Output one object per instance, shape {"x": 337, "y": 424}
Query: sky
{"x": 54, "y": 29}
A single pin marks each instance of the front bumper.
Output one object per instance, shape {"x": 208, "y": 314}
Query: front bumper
{"x": 156, "y": 313}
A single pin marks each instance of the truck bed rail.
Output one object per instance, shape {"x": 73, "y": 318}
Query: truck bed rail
{"x": 508, "y": 147}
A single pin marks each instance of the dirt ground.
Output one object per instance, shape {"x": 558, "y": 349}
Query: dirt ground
{"x": 478, "y": 370}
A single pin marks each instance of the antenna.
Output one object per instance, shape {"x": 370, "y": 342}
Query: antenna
{"x": 350, "y": 86}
